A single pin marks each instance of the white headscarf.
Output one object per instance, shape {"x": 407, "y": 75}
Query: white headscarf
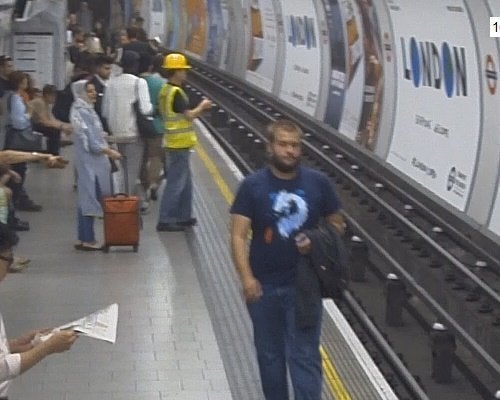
{"x": 79, "y": 91}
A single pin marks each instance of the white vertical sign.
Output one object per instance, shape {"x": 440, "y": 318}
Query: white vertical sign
{"x": 33, "y": 54}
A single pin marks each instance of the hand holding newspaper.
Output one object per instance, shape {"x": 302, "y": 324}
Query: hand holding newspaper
{"x": 101, "y": 325}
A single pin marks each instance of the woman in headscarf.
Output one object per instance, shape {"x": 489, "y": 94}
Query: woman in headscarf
{"x": 91, "y": 162}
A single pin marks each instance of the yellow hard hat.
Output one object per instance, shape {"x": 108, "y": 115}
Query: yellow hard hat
{"x": 175, "y": 61}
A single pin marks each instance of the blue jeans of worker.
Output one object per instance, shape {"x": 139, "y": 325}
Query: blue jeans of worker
{"x": 279, "y": 342}
{"x": 86, "y": 222}
{"x": 177, "y": 199}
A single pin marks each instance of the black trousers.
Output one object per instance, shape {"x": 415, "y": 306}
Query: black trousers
{"x": 18, "y": 191}
{"x": 53, "y": 136}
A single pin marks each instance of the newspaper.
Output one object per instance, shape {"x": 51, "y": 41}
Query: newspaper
{"x": 100, "y": 325}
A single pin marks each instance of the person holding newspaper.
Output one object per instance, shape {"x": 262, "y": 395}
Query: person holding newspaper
{"x": 19, "y": 355}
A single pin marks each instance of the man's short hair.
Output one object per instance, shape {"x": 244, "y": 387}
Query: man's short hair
{"x": 49, "y": 89}
{"x": 4, "y": 59}
{"x": 103, "y": 59}
{"x": 282, "y": 124}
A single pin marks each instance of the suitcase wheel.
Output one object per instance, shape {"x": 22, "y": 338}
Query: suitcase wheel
{"x": 136, "y": 248}
{"x": 105, "y": 249}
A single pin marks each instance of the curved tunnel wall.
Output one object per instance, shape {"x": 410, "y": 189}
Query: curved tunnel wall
{"x": 413, "y": 82}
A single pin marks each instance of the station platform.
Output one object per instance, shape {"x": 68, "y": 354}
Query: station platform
{"x": 183, "y": 330}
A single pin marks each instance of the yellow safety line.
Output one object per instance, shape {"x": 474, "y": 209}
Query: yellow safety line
{"x": 332, "y": 378}
{"x": 214, "y": 171}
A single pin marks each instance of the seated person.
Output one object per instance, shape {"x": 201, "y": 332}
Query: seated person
{"x": 44, "y": 121}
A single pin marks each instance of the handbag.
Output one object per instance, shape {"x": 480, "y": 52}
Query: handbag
{"x": 21, "y": 139}
{"x": 145, "y": 123}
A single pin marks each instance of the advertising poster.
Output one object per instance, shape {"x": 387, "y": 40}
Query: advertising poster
{"x": 216, "y": 32}
{"x": 156, "y": 20}
{"x": 302, "y": 69}
{"x": 261, "y": 65}
{"x": 173, "y": 10}
{"x": 436, "y": 130}
{"x": 338, "y": 61}
{"x": 224, "y": 37}
{"x": 367, "y": 131}
{"x": 347, "y": 83}
{"x": 197, "y": 28}
{"x": 356, "y": 69}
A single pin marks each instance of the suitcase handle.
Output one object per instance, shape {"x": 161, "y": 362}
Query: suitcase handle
{"x": 120, "y": 195}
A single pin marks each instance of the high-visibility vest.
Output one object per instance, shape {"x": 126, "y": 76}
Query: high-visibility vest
{"x": 180, "y": 133}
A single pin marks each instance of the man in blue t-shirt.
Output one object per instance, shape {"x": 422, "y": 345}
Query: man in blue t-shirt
{"x": 277, "y": 203}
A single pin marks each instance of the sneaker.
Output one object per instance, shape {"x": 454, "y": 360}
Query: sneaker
{"x": 19, "y": 264}
{"x": 189, "y": 222}
{"x": 168, "y": 227}
{"x": 144, "y": 207}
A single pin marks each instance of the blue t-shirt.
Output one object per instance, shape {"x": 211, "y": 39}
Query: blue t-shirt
{"x": 279, "y": 209}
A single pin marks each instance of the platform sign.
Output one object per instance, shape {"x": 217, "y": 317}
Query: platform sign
{"x": 197, "y": 28}
{"x": 30, "y": 56}
{"x": 436, "y": 130}
{"x": 261, "y": 63}
{"x": 302, "y": 69}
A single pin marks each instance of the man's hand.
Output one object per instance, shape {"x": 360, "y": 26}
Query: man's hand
{"x": 205, "y": 104}
{"x": 113, "y": 154}
{"x": 60, "y": 341}
{"x": 27, "y": 337}
{"x": 252, "y": 290}
{"x": 24, "y": 342}
{"x": 56, "y": 162}
{"x": 67, "y": 129}
{"x": 303, "y": 243}
{"x": 15, "y": 176}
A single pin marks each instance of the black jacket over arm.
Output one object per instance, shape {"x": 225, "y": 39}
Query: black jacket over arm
{"x": 322, "y": 273}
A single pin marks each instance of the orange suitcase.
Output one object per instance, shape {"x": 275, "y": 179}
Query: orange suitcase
{"x": 121, "y": 221}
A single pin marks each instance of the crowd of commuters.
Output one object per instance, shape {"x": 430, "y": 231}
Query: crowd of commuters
{"x": 113, "y": 82}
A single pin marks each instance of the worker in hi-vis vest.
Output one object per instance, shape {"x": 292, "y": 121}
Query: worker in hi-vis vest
{"x": 180, "y": 137}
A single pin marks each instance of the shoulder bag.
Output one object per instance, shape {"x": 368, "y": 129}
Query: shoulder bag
{"x": 145, "y": 123}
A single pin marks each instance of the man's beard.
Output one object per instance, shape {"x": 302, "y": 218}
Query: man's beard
{"x": 282, "y": 166}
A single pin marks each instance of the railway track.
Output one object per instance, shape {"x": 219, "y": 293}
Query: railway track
{"x": 443, "y": 270}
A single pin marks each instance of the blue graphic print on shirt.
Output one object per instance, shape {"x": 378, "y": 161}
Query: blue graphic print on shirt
{"x": 290, "y": 211}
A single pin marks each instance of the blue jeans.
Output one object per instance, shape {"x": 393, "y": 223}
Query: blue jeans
{"x": 279, "y": 342}
{"x": 86, "y": 222}
{"x": 177, "y": 199}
